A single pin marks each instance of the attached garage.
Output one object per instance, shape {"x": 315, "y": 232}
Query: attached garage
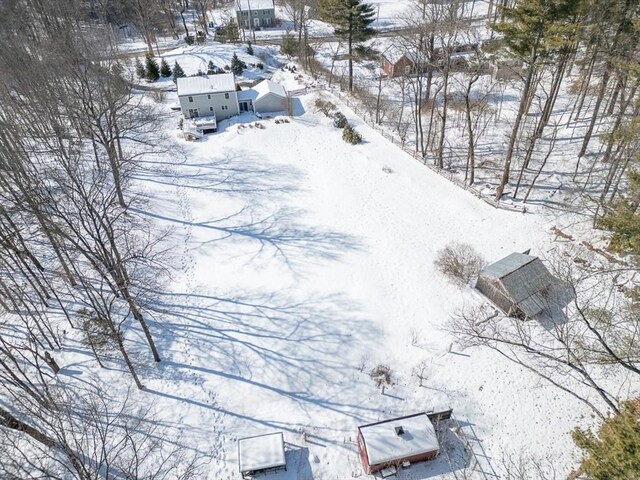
{"x": 271, "y": 97}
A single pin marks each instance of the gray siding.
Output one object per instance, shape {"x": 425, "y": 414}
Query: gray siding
{"x": 270, "y": 103}
{"x": 205, "y": 102}
{"x": 246, "y": 18}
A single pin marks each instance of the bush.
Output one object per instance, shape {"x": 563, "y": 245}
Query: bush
{"x": 189, "y": 40}
{"x": 460, "y": 262}
{"x": 211, "y": 68}
{"x": 349, "y": 135}
{"x": 339, "y": 120}
{"x": 249, "y": 49}
{"x": 260, "y": 65}
{"x": 325, "y": 106}
{"x": 381, "y": 376}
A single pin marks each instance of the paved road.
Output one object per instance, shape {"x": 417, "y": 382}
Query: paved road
{"x": 277, "y": 40}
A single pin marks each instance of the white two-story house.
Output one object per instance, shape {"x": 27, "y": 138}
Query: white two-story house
{"x": 208, "y": 99}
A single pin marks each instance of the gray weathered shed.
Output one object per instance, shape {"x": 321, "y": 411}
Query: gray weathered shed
{"x": 521, "y": 286}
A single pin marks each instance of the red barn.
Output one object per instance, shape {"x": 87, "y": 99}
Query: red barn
{"x": 391, "y": 443}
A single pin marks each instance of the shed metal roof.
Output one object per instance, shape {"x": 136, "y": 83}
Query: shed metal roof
{"x": 526, "y": 281}
{"x": 223, "y": 82}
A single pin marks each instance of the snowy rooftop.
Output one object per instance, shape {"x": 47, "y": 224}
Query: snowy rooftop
{"x": 254, "y": 4}
{"x": 223, "y": 82}
{"x": 384, "y": 445}
{"x": 267, "y": 86}
{"x": 249, "y": 94}
{"x": 261, "y": 452}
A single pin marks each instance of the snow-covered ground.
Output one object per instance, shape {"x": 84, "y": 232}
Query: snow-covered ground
{"x": 302, "y": 262}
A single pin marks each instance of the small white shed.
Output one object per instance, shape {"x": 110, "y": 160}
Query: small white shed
{"x": 271, "y": 97}
{"x": 261, "y": 454}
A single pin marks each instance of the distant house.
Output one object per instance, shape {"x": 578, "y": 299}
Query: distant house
{"x": 521, "y": 286}
{"x": 261, "y": 454}
{"x": 255, "y": 13}
{"x": 396, "y": 62}
{"x": 207, "y": 99}
{"x": 392, "y": 443}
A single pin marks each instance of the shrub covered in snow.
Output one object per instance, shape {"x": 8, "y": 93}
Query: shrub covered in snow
{"x": 349, "y": 135}
{"x": 339, "y": 120}
{"x": 460, "y": 262}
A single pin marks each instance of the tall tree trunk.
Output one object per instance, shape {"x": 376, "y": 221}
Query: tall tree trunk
{"x": 524, "y": 100}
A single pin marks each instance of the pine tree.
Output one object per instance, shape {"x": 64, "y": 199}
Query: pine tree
{"x": 152, "y": 69}
{"x": 249, "y": 48}
{"x": 288, "y": 45}
{"x": 177, "y": 71}
{"x": 231, "y": 32}
{"x": 351, "y": 20}
{"x": 614, "y": 454}
{"x": 165, "y": 69}
{"x": 140, "y": 71}
{"x": 211, "y": 68}
{"x": 237, "y": 65}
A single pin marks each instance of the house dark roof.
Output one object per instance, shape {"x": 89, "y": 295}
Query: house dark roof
{"x": 525, "y": 280}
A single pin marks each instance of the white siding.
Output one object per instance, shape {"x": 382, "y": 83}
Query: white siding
{"x": 270, "y": 103}
{"x": 207, "y": 101}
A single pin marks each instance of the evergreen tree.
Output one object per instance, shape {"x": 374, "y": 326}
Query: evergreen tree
{"x": 231, "y": 32}
{"x": 211, "y": 68}
{"x": 140, "y": 71}
{"x": 351, "y": 20}
{"x": 237, "y": 65}
{"x": 165, "y": 69}
{"x": 249, "y": 48}
{"x": 177, "y": 71}
{"x": 152, "y": 69}
{"x": 623, "y": 218}
{"x": 614, "y": 454}
{"x": 289, "y": 45}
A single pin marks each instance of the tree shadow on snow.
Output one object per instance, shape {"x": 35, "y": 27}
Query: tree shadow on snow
{"x": 269, "y": 343}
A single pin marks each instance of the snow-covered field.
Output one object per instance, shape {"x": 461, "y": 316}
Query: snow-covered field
{"x": 301, "y": 262}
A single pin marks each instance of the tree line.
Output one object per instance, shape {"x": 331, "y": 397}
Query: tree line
{"x": 75, "y": 258}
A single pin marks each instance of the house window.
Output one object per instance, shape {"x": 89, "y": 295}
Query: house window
{"x": 245, "y": 14}
{"x": 209, "y": 97}
{"x": 407, "y": 69}
{"x": 246, "y": 23}
{"x": 225, "y": 107}
{"x": 226, "y": 96}
{"x": 190, "y": 99}
{"x": 211, "y": 109}
{"x": 193, "y": 113}
{"x": 256, "y": 21}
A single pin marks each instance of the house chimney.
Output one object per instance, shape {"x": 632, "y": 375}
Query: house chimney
{"x": 399, "y": 430}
